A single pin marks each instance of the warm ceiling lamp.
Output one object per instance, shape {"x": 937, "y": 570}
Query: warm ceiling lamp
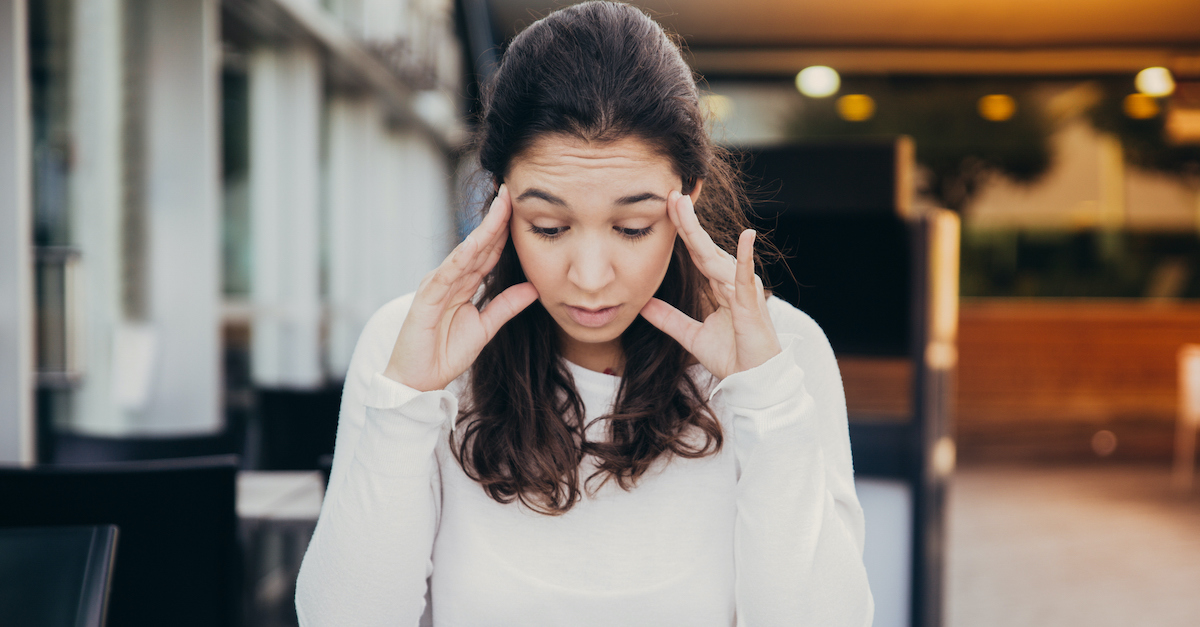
{"x": 855, "y": 107}
{"x": 1155, "y": 81}
{"x": 997, "y": 107}
{"x": 1140, "y": 106}
{"x": 818, "y": 81}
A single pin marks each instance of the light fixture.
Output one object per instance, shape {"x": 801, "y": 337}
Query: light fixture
{"x": 1140, "y": 106}
{"x": 1155, "y": 81}
{"x": 855, "y": 107}
{"x": 997, "y": 107}
{"x": 818, "y": 81}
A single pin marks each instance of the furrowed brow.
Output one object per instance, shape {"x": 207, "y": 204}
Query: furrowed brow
{"x": 642, "y": 197}
{"x": 540, "y": 194}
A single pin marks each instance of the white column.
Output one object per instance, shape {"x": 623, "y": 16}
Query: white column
{"x": 183, "y": 211}
{"x": 389, "y": 218}
{"x": 349, "y": 155}
{"x": 17, "y": 429}
{"x": 96, "y": 91}
{"x": 285, "y": 107}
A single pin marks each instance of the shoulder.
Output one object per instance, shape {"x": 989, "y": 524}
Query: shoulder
{"x": 789, "y": 320}
{"x": 388, "y": 319}
{"x": 813, "y": 348}
{"x": 378, "y": 336}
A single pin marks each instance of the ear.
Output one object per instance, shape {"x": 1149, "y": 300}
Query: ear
{"x": 696, "y": 190}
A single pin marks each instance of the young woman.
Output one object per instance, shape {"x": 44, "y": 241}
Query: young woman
{"x": 590, "y": 413}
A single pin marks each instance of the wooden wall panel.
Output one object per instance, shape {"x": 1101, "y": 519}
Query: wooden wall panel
{"x": 1070, "y": 361}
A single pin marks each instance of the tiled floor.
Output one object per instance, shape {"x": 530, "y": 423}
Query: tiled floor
{"x": 1065, "y": 546}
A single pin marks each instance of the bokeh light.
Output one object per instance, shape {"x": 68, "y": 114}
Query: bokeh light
{"x": 1140, "y": 106}
{"x": 997, "y": 107}
{"x": 1104, "y": 443}
{"x": 1155, "y": 81}
{"x": 855, "y": 107}
{"x": 716, "y": 106}
{"x": 818, "y": 81}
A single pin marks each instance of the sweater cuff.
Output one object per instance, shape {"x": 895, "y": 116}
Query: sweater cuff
{"x": 767, "y": 385}
{"x": 402, "y": 427}
{"x": 385, "y": 393}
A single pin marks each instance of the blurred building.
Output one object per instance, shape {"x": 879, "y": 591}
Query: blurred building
{"x": 205, "y": 197}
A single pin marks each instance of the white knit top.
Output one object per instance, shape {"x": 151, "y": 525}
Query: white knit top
{"x": 766, "y": 532}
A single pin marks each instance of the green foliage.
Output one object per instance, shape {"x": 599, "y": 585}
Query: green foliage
{"x": 1144, "y": 141}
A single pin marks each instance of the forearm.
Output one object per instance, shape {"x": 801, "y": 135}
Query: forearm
{"x": 797, "y": 556}
{"x": 369, "y": 558}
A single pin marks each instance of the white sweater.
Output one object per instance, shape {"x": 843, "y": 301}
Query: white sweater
{"x": 768, "y": 531}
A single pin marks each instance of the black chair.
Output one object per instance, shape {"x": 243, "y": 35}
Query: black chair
{"x": 293, "y": 429}
{"x": 179, "y": 562}
{"x": 56, "y": 576}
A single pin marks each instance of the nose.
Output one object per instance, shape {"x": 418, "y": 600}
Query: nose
{"x": 591, "y": 264}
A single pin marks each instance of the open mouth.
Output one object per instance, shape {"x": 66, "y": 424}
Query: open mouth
{"x": 592, "y": 317}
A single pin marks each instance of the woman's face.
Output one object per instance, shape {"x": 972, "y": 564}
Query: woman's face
{"x": 590, "y": 226}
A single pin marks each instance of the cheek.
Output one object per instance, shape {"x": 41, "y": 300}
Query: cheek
{"x": 536, "y": 262}
{"x": 650, "y": 267}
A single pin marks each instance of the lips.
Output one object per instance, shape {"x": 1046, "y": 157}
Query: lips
{"x": 592, "y": 317}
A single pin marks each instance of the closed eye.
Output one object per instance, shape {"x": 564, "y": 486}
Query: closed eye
{"x": 548, "y": 232}
{"x": 634, "y": 234}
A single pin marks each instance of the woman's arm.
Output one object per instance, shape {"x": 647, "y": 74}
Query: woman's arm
{"x": 799, "y": 531}
{"x": 370, "y": 555}
{"x": 369, "y": 559}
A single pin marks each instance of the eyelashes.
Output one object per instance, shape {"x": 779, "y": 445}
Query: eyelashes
{"x": 547, "y": 232}
{"x": 554, "y": 232}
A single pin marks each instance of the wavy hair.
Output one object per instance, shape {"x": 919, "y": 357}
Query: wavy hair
{"x": 597, "y": 71}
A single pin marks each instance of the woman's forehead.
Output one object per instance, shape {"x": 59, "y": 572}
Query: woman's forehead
{"x": 623, "y": 164}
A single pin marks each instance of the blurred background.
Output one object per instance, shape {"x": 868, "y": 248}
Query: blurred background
{"x": 202, "y": 202}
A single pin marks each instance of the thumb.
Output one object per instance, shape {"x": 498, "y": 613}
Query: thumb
{"x": 673, "y": 322}
{"x": 504, "y": 307}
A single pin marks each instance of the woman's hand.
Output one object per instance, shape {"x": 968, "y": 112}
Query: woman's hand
{"x": 444, "y": 332}
{"x": 737, "y": 336}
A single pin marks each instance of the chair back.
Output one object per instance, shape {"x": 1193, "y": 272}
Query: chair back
{"x": 179, "y": 562}
{"x": 56, "y": 576}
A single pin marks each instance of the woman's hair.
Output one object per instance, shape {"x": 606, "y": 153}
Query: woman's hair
{"x": 598, "y": 72}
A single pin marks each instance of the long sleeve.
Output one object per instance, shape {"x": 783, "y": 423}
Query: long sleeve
{"x": 369, "y": 558}
{"x": 799, "y": 530}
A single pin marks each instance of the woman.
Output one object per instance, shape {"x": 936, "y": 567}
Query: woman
{"x": 590, "y": 413}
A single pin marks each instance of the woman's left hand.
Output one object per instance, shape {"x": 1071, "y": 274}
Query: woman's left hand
{"x": 737, "y": 336}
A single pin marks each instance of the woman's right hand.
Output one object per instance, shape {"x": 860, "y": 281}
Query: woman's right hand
{"x": 444, "y": 332}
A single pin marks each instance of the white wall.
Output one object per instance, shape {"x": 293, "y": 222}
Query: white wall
{"x": 16, "y": 275}
{"x": 888, "y": 509}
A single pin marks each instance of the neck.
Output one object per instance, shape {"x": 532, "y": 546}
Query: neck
{"x": 606, "y": 357}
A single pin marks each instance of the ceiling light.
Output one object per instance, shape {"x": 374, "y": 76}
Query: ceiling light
{"x": 818, "y": 81}
{"x": 997, "y": 107}
{"x": 855, "y": 107}
{"x": 1140, "y": 106}
{"x": 1155, "y": 81}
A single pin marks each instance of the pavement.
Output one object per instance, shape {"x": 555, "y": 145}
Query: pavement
{"x": 1088, "y": 545}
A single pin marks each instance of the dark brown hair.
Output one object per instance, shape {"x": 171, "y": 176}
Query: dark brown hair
{"x": 597, "y": 71}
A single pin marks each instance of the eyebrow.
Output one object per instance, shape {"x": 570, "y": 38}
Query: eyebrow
{"x": 633, "y": 199}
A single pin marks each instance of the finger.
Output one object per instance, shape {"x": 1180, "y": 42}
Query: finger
{"x": 475, "y": 249}
{"x": 502, "y": 308}
{"x": 711, "y": 259}
{"x": 493, "y": 231}
{"x": 744, "y": 287}
{"x": 673, "y": 322}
